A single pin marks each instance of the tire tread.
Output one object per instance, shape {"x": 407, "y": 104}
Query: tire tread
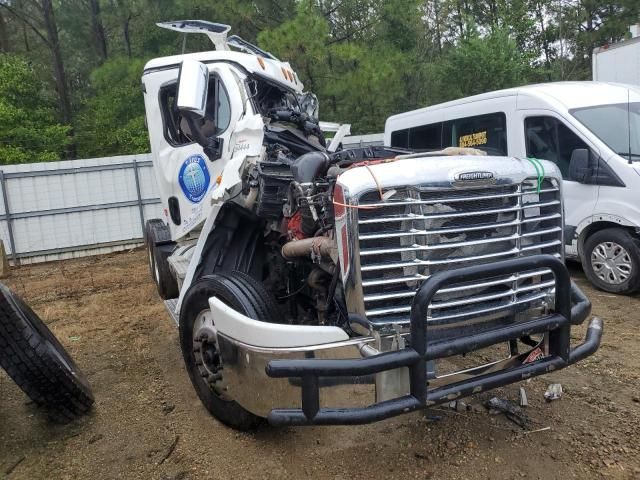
{"x": 25, "y": 356}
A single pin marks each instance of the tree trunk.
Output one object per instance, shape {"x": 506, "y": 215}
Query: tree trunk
{"x": 436, "y": 11}
{"x": 99, "y": 37}
{"x": 590, "y": 29}
{"x": 545, "y": 41}
{"x": 125, "y": 34}
{"x": 58, "y": 68}
{"x": 27, "y": 47}
{"x": 4, "y": 38}
{"x": 459, "y": 20}
{"x": 493, "y": 14}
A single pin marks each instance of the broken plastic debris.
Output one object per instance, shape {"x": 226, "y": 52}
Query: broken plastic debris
{"x": 512, "y": 411}
{"x": 554, "y": 392}
{"x": 458, "y": 406}
{"x": 535, "y": 355}
{"x": 523, "y": 398}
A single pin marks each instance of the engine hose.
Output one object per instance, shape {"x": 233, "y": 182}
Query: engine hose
{"x": 308, "y": 247}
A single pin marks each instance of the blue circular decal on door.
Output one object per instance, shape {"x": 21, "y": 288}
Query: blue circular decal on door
{"x": 194, "y": 178}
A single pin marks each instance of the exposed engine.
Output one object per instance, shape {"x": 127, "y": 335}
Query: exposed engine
{"x": 291, "y": 189}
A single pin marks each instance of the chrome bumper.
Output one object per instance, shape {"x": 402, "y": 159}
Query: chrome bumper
{"x": 349, "y": 382}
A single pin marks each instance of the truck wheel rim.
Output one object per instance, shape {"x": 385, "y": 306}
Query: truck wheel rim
{"x": 611, "y": 263}
{"x": 206, "y": 353}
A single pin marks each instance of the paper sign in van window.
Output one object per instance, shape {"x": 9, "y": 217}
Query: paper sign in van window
{"x": 473, "y": 139}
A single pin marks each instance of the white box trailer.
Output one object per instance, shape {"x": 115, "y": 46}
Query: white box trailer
{"x": 619, "y": 62}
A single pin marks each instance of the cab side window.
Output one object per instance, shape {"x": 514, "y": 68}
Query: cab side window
{"x": 547, "y": 138}
{"x": 216, "y": 120}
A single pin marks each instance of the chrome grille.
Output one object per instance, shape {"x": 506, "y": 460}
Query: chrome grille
{"x": 416, "y": 232}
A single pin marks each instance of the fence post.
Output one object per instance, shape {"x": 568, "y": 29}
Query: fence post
{"x": 140, "y": 205}
{"x": 7, "y": 214}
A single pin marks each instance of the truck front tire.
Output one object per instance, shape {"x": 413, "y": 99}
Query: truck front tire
{"x": 199, "y": 344}
{"x": 611, "y": 261}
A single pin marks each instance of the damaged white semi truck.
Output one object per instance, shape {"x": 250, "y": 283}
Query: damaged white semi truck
{"x": 315, "y": 285}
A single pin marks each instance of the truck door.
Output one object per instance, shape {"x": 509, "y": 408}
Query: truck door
{"x": 548, "y": 137}
{"x": 186, "y": 177}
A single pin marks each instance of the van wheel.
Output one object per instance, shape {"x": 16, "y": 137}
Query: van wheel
{"x": 157, "y": 236}
{"x": 198, "y": 339}
{"x": 611, "y": 261}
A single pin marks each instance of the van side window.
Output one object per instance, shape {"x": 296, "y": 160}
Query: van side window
{"x": 216, "y": 120}
{"x": 400, "y": 138}
{"x": 425, "y": 137}
{"x": 547, "y": 138}
{"x": 484, "y": 132}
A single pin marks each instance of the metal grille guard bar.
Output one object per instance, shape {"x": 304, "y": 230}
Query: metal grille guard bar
{"x": 415, "y": 357}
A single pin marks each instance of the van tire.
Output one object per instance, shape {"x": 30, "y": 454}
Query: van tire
{"x": 159, "y": 246}
{"x": 36, "y": 361}
{"x": 242, "y": 293}
{"x": 608, "y": 242}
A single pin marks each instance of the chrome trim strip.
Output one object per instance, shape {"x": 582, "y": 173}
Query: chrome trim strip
{"x": 418, "y": 262}
{"x": 410, "y": 216}
{"x": 387, "y": 311}
{"x": 411, "y": 294}
{"x": 439, "y": 246}
{"x": 454, "y": 289}
{"x": 391, "y": 203}
{"x": 413, "y": 232}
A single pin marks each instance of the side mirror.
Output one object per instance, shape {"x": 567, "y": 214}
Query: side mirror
{"x": 193, "y": 85}
{"x": 191, "y": 102}
{"x": 580, "y": 166}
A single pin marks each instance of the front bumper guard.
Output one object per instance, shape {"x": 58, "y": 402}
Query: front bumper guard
{"x": 309, "y": 372}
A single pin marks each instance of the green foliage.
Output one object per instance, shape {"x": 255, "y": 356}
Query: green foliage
{"x": 357, "y": 83}
{"x": 28, "y": 132}
{"x": 365, "y": 59}
{"x": 481, "y": 64}
{"x": 112, "y": 118}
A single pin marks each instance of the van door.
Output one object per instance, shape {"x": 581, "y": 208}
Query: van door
{"x": 186, "y": 176}
{"x": 548, "y": 137}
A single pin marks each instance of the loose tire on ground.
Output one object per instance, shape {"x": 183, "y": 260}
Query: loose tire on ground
{"x": 38, "y": 363}
{"x": 157, "y": 234}
{"x": 242, "y": 293}
{"x": 611, "y": 261}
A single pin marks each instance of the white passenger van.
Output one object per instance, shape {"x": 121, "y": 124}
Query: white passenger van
{"x": 591, "y": 130}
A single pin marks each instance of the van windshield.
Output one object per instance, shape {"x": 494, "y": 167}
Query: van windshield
{"x": 617, "y": 125}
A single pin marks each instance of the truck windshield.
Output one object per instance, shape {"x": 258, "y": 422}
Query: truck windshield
{"x": 617, "y": 125}
{"x": 270, "y": 96}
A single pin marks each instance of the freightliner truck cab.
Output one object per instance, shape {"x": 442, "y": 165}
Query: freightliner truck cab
{"x": 317, "y": 285}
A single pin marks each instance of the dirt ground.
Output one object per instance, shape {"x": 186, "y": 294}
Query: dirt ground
{"x": 148, "y": 422}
